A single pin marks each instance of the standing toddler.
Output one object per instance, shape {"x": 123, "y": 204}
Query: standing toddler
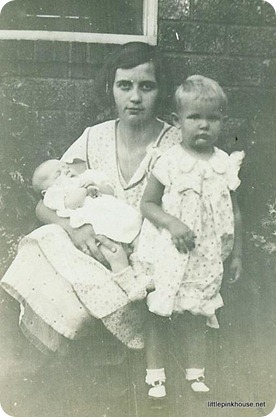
{"x": 191, "y": 200}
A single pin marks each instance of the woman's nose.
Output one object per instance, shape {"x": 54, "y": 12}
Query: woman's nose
{"x": 135, "y": 94}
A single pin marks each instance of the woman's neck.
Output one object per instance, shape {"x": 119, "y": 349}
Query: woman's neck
{"x": 138, "y": 135}
{"x": 131, "y": 145}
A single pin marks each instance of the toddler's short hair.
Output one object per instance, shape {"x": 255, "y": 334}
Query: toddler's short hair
{"x": 201, "y": 87}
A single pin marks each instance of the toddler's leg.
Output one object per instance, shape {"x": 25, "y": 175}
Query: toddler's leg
{"x": 194, "y": 331}
{"x": 155, "y": 345}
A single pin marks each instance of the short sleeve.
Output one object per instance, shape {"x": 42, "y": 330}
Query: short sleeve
{"x": 78, "y": 149}
{"x": 161, "y": 170}
{"x": 234, "y": 163}
{"x": 54, "y": 198}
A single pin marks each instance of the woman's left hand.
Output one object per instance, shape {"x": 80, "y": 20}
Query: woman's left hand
{"x": 235, "y": 269}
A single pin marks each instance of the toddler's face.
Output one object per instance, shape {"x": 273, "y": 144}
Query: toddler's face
{"x": 56, "y": 171}
{"x": 200, "y": 121}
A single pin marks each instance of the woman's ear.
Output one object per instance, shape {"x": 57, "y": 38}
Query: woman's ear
{"x": 175, "y": 120}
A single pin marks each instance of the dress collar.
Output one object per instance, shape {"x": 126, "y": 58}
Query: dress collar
{"x": 217, "y": 161}
{"x": 152, "y": 154}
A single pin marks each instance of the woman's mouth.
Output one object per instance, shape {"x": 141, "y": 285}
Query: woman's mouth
{"x": 134, "y": 109}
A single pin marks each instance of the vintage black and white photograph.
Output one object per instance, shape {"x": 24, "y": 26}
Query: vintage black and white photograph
{"x": 137, "y": 208}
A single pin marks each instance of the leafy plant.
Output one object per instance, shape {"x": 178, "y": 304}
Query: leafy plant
{"x": 266, "y": 238}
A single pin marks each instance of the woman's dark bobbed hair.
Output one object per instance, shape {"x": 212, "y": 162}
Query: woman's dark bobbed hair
{"x": 128, "y": 56}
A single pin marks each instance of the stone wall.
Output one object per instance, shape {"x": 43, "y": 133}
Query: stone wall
{"x": 46, "y": 91}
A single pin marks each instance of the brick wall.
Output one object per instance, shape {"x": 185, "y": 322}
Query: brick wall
{"x": 46, "y": 91}
{"x": 233, "y": 42}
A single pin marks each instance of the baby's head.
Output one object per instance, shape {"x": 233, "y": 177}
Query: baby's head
{"x": 49, "y": 172}
{"x": 200, "y": 105}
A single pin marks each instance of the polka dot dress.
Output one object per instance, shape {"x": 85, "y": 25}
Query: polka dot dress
{"x": 198, "y": 193}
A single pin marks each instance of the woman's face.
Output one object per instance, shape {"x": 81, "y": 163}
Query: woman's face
{"x": 135, "y": 93}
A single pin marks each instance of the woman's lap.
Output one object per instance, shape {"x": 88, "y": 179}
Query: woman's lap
{"x": 64, "y": 298}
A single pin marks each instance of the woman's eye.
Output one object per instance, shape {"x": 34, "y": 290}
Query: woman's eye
{"x": 148, "y": 86}
{"x": 124, "y": 85}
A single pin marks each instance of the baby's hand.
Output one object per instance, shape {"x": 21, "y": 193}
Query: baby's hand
{"x": 86, "y": 182}
{"x": 235, "y": 269}
{"x": 182, "y": 236}
{"x": 93, "y": 191}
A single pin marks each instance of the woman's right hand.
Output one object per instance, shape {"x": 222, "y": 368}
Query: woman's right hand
{"x": 84, "y": 239}
{"x": 182, "y": 236}
{"x": 117, "y": 258}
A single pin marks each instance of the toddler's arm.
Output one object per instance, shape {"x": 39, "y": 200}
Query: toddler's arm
{"x": 182, "y": 237}
{"x": 236, "y": 261}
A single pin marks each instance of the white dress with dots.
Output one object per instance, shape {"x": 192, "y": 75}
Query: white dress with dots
{"x": 198, "y": 193}
{"x": 60, "y": 288}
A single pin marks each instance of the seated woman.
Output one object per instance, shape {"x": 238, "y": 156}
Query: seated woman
{"x": 64, "y": 277}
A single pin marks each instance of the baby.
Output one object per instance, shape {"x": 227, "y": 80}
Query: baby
{"x": 87, "y": 198}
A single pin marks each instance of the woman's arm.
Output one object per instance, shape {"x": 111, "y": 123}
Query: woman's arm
{"x": 236, "y": 262}
{"x": 182, "y": 236}
{"x": 83, "y": 237}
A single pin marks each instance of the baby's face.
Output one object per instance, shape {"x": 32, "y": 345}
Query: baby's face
{"x": 56, "y": 171}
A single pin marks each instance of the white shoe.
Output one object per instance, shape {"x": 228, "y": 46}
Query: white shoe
{"x": 199, "y": 386}
{"x": 157, "y": 391}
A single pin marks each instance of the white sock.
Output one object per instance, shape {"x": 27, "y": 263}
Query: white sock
{"x": 194, "y": 373}
{"x": 155, "y": 375}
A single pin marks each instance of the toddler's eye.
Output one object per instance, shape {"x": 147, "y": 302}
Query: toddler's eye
{"x": 193, "y": 116}
{"x": 214, "y": 118}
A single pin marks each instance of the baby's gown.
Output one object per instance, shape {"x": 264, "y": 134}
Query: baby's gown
{"x": 198, "y": 193}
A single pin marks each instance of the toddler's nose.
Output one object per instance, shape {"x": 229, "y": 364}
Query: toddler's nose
{"x": 204, "y": 124}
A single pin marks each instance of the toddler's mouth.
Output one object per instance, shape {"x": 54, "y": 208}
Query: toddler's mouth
{"x": 203, "y": 136}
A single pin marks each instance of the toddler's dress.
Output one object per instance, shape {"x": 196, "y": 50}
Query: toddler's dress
{"x": 108, "y": 215}
{"x": 198, "y": 193}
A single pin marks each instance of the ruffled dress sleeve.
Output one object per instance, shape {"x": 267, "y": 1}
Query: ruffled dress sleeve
{"x": 233, "y": 167}
{"x": 161, "y": 170}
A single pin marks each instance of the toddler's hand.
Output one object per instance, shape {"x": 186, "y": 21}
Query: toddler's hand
{"x": 235, "y": 269}
{"x": 182, "y": 236}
